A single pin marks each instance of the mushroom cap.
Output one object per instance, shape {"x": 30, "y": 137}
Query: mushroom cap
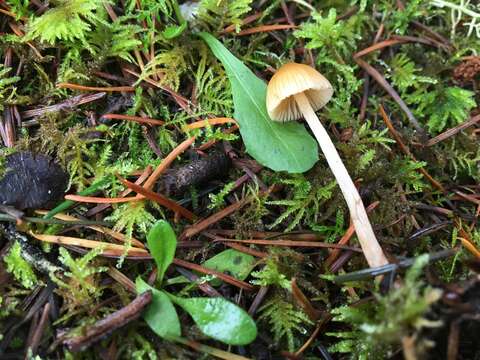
{"x": 291, "y": 79}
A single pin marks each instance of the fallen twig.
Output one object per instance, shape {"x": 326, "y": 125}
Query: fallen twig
{"x": 107, "y": 325}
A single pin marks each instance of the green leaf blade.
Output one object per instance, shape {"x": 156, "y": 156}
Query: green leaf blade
{"x": 162, "y": 243}
{"x": 220, "y": 319}
{"x": 233, "y": 262}
{"x": 160, "y": 315}
{"x": 279, "y": 146}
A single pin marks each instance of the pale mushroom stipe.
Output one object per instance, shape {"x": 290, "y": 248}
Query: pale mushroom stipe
{"x": 298, "y": 90}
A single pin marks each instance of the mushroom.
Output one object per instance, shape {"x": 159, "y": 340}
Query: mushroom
{"x": 297, "y": 90}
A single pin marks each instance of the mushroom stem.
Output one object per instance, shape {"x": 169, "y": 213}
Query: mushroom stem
{"x": 370, "y": 246}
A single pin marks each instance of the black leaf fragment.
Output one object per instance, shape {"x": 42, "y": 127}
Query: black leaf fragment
{"x": 32, "y": 181}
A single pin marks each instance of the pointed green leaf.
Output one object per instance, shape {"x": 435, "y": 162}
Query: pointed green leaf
{"x": 219, "y": 319}
{"x": 162, "y": 243}
{"x": 280, "y": 146}
{"x": 160, "y": 315}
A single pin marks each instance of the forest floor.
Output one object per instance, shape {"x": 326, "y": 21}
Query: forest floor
{"x": 151, "y": 209}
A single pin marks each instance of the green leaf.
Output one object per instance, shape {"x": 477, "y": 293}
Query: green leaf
{"x": 233, "y": 262}
{"x": 219, "y": 319}
{"x": 160, "y": 315}
{"x": 162, "y": 243}
{"x": 279, "y": 146}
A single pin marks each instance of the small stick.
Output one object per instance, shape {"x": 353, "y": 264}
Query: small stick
{"x": 110, "y": 323}
{"x": 65, "y": 105}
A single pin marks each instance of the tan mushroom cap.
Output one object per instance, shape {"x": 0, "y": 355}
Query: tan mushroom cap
{"x": 291, "y": 79}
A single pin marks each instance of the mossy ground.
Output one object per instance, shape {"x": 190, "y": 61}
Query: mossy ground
{"x": 415, "y": 165}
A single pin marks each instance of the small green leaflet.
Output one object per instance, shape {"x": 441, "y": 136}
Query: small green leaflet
{"x": 160, "y": 315}
{"x": 231, "y": 262}
{"x": 162, "y": 243}
{"x": 281, "y": 147}
{"x": 220, "y": 319}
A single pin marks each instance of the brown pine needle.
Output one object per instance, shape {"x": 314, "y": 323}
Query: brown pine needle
{"x": 91, "y": 244}
{"x": 451, "y": 132}
{"x": 101, "y": 229}
{"x": 205, "y": 223}
{"x": 160, "y": 199}
{"x": 266, "y": 28}
{"x": 347, "y": 236}
{"x": 303, "y": 301}
{"x": 406, "y": 150}
{"x": 95, "y": 88}
{"x": 207, "y": 122}
{"x": 210, "y": 143}
{"x": 378, "y": 46}
{"x": 101, "y": 207}
{"x": 221, "y": 354}
{"x": 16, "y": 29}
{"x": 138, "y": 119}
{"x": 227, "y": 278}
{"x": 470, "y": 247}
{"x": 247, "y": 250}
{"x": 101, "y": 200}
{"x": 167, "y": 161}
{"x": 122, "y": 279}
{"x": 292, "y": 243}
{"x": 8, "y": 13}
{"x": 380, "y": 79}
{"x": 249, "y": 19}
